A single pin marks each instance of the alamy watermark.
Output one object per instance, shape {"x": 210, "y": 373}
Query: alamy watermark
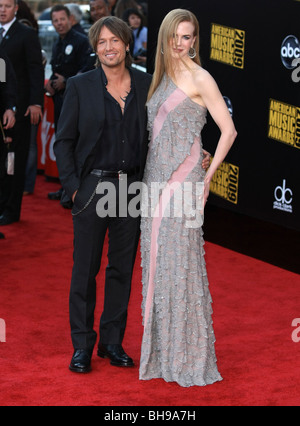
{"x": 296, "y": 332}
{"x": 2, "y": 331}
{"x": 2, "y": 71}
{"x": 159, "y": 200}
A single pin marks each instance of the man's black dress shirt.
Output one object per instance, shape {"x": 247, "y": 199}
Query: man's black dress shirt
{"x": 118, "y": 148}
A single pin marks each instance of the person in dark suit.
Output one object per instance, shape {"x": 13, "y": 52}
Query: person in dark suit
{"x": 22, "y": 46}
{"x": 8, "y": 102}
{"x": 102, "y": 139}
{"x": 70, "y": 55}
{"x": 8, "y": 92}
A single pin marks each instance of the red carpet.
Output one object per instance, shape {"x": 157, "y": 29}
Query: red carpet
{"x": 254, "y": 306}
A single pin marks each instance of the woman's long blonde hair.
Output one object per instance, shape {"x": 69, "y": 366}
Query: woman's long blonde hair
{"x": 168, "y": 28}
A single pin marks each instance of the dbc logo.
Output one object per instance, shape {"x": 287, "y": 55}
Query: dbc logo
{"x": 284, "y": 198}
{"x": 290, "y": 50}
{"x": 2, "y": 331}
{"x": 282, "y": 194}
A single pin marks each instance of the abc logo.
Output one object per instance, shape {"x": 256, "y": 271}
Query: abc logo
{"x": 290, "y": 50}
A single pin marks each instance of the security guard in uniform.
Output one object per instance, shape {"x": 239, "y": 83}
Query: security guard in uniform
{"x": 70, "y": 55}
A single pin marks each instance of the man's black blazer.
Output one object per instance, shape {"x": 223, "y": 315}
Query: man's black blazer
{"x": 8, "y": 99}
{"x": 81, "y": 124}
{"x": 23, "y": 48}
{"x": 8, "y": 89}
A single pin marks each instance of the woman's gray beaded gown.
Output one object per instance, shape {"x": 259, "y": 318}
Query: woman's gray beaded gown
{"x": 178, "y": 341}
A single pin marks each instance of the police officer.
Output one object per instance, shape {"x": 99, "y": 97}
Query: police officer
{"x": 70, "y": 55}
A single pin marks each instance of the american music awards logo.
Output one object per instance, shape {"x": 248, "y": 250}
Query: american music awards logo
{"x": 283, "y": 198}
{"x": 227, "y": 45}
{"x": 284, "y": 123}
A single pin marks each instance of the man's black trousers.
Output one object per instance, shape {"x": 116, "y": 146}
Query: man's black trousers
{"x": 89, "y": 236}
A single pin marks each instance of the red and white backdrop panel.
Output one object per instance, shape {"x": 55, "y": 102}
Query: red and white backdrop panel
{"x": 253, "y": 51}
{"x": 46, "y": 139}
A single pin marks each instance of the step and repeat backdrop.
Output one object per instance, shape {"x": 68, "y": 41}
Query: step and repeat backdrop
{"x": 253, "y": 51}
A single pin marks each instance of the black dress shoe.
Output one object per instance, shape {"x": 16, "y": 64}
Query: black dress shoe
{"x": 2, "y": 236}
{"x": 67, "y": 204}
{"x": 81, "y": 362}
{"x": 6, "y": 220}
{"x": 116, "y": 354}
{"x": 56, "y": 196}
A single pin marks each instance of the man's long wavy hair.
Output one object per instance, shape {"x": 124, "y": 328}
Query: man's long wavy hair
{"x": 118, "y": 27}
{"x": 168, "y": 29}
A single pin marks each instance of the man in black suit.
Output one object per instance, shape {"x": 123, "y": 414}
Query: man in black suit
{"x": 22, "y": 46}
{"x": 101, "y": 132}
{"x": 8, "y": 102}
{"x": 8, "y": 92}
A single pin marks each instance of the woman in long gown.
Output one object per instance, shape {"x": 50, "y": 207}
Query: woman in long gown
{"x": 178, "y": 340}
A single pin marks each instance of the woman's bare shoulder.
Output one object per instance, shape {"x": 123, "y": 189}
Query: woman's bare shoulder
{"x": 201, "y": 75}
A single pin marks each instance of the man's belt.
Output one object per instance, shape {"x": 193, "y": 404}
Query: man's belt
{"x": 113, "y": 174}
